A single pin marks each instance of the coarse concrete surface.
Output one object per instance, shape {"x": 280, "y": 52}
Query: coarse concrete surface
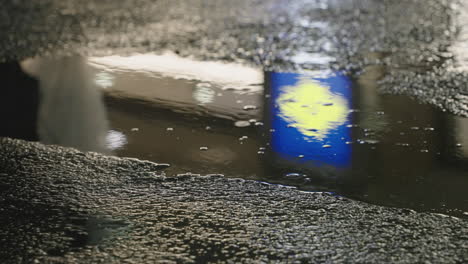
{"x": 59, "y": 205}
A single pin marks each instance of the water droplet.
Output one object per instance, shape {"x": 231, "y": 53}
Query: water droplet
{"x": 162, "y": 166}
{"x": 249, "y": 107}
{"x": 414, "y": 128}
{"x": 261, "y": 148}
{"x": 424, "y": 150}
{"x": 458, "y": 145}
{"x": 371, "y": 141}
{"x": 348, "y": 142}
{"x": 293, "y": 175}
{"x": 242, "y": 123}
{"x": 300, "y": 156}
{"x": 252, "y": 120}
{"x": 169, "y": 129}
{"x": 243, "y": 138}
{"x": 429, "y": 129}
{"x": 326, "y": 146}
{"x": 259, "y": 123}
{"x": 207, "y": 128}
{"x": 352, "y": 125}
{"x": 135, "y": 129}
{"x": 403, "y": 144}
{"x": 260, "y": 152}
{"x": 203, "y": 148}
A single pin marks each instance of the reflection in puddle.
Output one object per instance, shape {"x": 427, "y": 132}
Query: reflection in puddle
{"x": 115, "y": 140}
{"x": 318, "y": 132}
{"x": 71, "y": 112}
{"x": 227, "y": 75}
{"x": 310, "y": 117}
{"x": 104, "y": 80}
{"x": 170, "y": 82}
{"x": 203, "y": 93}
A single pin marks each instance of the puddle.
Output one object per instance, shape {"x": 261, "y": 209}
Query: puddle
{"x": 322, "y": 131}
{"x": 318, "y": 131}
{"x": 384, "y": 149}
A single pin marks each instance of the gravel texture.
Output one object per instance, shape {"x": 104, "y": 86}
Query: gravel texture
{"x": 63, "y": 206}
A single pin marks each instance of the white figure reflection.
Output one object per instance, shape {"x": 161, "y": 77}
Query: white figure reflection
{"x": 71, "y": 111}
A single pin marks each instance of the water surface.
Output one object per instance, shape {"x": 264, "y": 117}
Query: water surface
{"x": 318, "y": 131}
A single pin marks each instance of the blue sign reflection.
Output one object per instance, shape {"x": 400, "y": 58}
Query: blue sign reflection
{"x": 311, "y": 117}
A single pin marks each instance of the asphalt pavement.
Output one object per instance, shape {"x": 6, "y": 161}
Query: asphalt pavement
{"x": 62, "y": 206}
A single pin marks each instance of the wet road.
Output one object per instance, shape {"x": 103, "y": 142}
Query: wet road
{"x": 60, "y": 205}
{"x": 67, "y": 207}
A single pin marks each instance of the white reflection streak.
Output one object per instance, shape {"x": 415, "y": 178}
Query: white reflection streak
{"x": 171, "y": 65}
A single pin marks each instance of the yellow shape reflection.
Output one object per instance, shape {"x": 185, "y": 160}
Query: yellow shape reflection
{"x": 312, "y": 108}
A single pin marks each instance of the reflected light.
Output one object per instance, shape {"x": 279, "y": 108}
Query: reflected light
{"x": 312, "y": 108}
{"x": 309, "y": 118}
{"x": 203, "y": 94}
{"x": 104, "y": 79}
{"x": 115, "y": 140}
{"x": 172, "y": 65}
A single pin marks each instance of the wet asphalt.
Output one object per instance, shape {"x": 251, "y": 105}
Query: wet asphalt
{"x": 62, "y": 206}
